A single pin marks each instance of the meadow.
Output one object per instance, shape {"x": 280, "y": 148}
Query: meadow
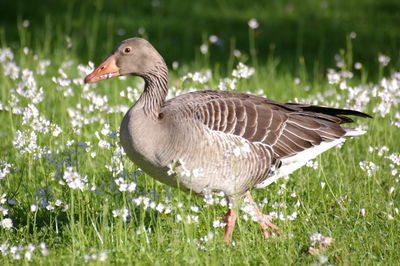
{"x": 69, "y": 195}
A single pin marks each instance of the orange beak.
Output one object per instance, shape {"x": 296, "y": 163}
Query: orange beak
{"x": 106, "y": 70}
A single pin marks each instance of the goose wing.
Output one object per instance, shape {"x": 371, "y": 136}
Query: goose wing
{"x": 288, "y": 128}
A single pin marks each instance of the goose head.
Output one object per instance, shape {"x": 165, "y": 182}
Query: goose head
{"x": 133, "y": 56}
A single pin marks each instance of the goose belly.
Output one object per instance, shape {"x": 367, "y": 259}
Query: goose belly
{"x": 218, "y": 162}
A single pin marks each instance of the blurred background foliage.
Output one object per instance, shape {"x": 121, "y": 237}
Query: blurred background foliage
{"x": 294, "y": 32}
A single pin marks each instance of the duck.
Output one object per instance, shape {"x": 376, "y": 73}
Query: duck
{"x": 217, "y": 141}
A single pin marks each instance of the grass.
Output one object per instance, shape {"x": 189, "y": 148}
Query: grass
{"x": 79, "y": 226}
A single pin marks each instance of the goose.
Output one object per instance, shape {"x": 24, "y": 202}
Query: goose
{"x": 211, "y": 140}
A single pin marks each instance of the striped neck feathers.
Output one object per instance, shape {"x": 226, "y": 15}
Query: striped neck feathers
{"x": 155, "y": 91}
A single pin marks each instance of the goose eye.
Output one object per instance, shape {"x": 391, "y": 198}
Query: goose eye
{"x": 127, "y": 50}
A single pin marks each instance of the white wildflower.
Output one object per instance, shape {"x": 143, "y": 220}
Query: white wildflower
{"x": 237, "y": 53}
{"x": 292, "y": 216}
{"x": 243, "y": 71}
{"x": 323, "y": 259}
{"x": 25, "y": 23}
{"x": 383, "y": 60}
{"x": 29, "y": 251}
{"x": 104, "y": 144}
{"x": 105, "y": 131}
{"x": 190, "y": 219}
{"x": 6, "y": 223}
{"x": 198, "y": 172}
{"x": 175, "y": 65}
{"x": 201, "y": 77}
{"x": 253, "y": 23}
{"x": 277, "y": 205}
{"x": 43, "y": 249}
{"x": 369, "y": 167}
{"x": 42, "y": 66}
{"x": 194, "y": 208}
{"x": 213, "y": 39}
{"x": 170, "y": 171}
{"x": 85, "y": 70}
{"x": 34, "y": 207}
{"x": 217, "y": 223}
{"x": 69, "y": 143}
{"x": 74, "y": 179}
{"x": 318, "y": 239}
{"x": 11, "y": 70}
{"x": 6, "y": 54}
{"x": 5, "y": 169}
{"x": 160, "y": 207}
{"x": 123, "y": 213}
{"x": 227, "y": 84}
{"x": 26, "y": 142}
{"x": 208, "y": 198}
{"x": 333, "y": 76}
{"x": 312, "y": 164}
{"x": 124, "y": 185}
{"x": 102, "y": 256}
{"x": 347, "y": 74}
{"x": 241, "y": 148}
{"x": 223, "y": 202}
{"x": 204, "y": 48}
{"x": 4, "y": 249}
{"x": 208, "y": 237}
{"x": 343, "y": 85}
{"x": 69, "y": 41}
{"x": 3, "y": 211}
{"x": 250, "y": 209}
{"x": 382, "y": 150}
{"x": 236, "y": 151}
{"x": 394, "y": 158}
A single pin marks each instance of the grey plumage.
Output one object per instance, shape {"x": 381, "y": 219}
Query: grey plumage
{"x": 201, "y": 130}
{"x": 216, "y": 140}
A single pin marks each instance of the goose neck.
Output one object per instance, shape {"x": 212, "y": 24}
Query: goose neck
{"x": 155, "y": 91}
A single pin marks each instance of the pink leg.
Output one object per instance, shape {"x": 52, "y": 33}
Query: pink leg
{"x": 230, "y": 219}
{"x": 263, "y": 219}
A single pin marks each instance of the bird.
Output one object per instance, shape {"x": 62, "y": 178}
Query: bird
{"x": 217, "y": 141}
